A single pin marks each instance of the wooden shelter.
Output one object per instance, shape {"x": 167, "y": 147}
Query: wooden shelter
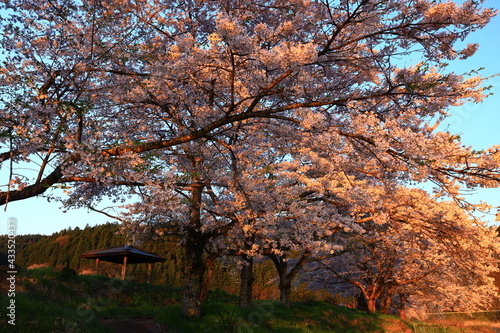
{"x": 124, "y": 254}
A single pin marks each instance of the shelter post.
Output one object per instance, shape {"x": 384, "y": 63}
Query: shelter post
{"x": 124, "y": 267}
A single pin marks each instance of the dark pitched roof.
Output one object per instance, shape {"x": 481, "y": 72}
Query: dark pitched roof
{"x": 116, "y": 254}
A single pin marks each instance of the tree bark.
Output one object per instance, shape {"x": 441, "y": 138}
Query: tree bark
{"x": 195, "y": 269}
{"x": 195, "y": 266}
{"x": 246, "y": 284}
{"x": 402, "y": 307}
{"x": 402, "y": 313}
{"x": 371, "y": 304}
{"x": 206, "y": 281}
{"x": 285, "y": 292}
{"x": 386, "y": 300}
{"x": 285, "y": 276}
{"x": 282, "y": 267}
{"x": 370, "y": 294}
{"x": 191, "y": 304}
{"x": 285, "y": 282}
{"x": 32, "y": 190}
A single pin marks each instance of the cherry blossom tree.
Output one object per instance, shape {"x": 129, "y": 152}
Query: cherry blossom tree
{"x": 426, "y": 255}
{"x": 92, "y": 85}
{"x": 110, "y": 96}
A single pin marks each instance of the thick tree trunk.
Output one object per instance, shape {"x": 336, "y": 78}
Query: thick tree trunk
{"x": 195, "y": 269}
{"x": 195, "y": 266}
{"x": 402, "y": 313}
{"x": 246, "y": 284}
{"x": 402, "y": 307}
{"x": 371, "y": 294}
{"x": 285, "y": 284}
{"x": 206, "y": 281}
{"x": 191, "y": 302}
{"x": 285, "y": 292}
{"x": 386, "y": 300}
{"x": 286, "y": 277}
{"x": 385, "y": 306}
{"x": 371, "y": 304}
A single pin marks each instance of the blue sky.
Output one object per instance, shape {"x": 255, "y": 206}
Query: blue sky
{"x": 478, "y": 124}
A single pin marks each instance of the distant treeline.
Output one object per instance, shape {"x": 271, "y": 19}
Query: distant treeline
{"x": 63, "y": 249}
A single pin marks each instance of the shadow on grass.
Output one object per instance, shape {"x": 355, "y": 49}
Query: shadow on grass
{"x": 270, "y": 316}
{"x": 50, "y": 302}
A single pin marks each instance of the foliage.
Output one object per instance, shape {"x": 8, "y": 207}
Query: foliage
{"x": 22, "y": 241}
{"x": 34, "y": 250}
{"x": 427, "y": 255}
{"x": 61, "y": 306}
{"x": 257, "y": 128}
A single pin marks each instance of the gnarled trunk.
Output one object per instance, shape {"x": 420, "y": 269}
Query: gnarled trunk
{"x": 402, "y": 306}
{"x": 195, "y": 267}
{"x": 371, "y": 304}
{"x": 206, "y": 281}
{"x": 246, "y": 284}
{"x": 285, "y": 284}
{"x": 191, "y": 302}
{"x": 402, "y": 313}
{"x": 370, "y": 294}
{"x": 285, "y": 291}
{"x": 386, "y": 300}
{"x": 286, "y": 277}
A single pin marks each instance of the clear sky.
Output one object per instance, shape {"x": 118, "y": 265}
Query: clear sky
{"x": 478, "y": 124}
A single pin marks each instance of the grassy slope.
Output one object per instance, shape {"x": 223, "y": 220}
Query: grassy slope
{"x": 53, "y": 302}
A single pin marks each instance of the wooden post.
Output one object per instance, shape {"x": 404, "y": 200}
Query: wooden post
{"x": 124, "y": 267}
{"x": 149, "y": 272}
{"x": 97, "y": 264}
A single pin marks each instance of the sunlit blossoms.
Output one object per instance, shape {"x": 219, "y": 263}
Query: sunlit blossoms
{"x": 252, "y": 129}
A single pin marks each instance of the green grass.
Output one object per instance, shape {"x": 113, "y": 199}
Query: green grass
{"x": 437, "y": 328}
{"x": 48, "y": 301}
{"x": 39, "y": 315}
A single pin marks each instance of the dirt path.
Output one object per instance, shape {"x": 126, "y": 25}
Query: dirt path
{"x": 133, "y": 325}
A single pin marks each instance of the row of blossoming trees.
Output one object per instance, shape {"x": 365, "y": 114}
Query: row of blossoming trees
{"x": 294, "y": 130}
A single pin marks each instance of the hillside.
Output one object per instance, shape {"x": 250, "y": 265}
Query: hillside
{"x": 63, "y": 249}
{"x": 53, "y": 298}
{"x": 57, "y": 302}
{"x": 49, "y": 301}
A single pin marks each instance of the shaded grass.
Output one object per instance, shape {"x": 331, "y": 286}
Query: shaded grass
{"x": 50, "y": 301}
{"x": 271, "y": 316}
{"x": 38, "y": 315}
